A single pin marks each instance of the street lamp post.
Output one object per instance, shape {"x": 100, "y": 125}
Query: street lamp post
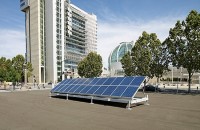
{"x": 25, "y": 75}
{"x": 172, "y": 75}
{"x": 199, "y": 81}
{"x": 25, "y": 80}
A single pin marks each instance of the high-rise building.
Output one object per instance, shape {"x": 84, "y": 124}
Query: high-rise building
{"x": 58, "y": 36}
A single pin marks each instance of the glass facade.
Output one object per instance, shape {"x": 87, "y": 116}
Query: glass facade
{"x": 116, "y": 55}
{"x": 80, "y": 35}
{"x": 42, "y": 33}
{"x": 58, "y": 36}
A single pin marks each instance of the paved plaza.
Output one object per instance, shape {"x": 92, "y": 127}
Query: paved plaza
{"x": 35, "y": 110}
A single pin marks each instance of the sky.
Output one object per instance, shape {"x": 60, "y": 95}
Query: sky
{"x": 117, "y": 20}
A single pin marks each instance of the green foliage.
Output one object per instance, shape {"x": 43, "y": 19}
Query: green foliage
{"x": 147, "y": 56}
{"x": 127, "y": 64}
{"x": 90, "y": 66}
{"x": 13, "y": 70}
{"x": 3, "y": 68}
{"x": 141, "y": 55}
{"x": 183, "y": 44}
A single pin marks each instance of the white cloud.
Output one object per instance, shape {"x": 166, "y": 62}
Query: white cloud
{"x": 111, "y": 34}
{"x": 12, "y": 43}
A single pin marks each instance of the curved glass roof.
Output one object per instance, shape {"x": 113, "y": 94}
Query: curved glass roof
{"x": 117, "y": 54}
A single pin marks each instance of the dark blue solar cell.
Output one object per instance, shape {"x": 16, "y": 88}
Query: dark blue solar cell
{"x": 93, "y": 81}
{"x": 117, "y": 81}
{"x": 138, "y": 80}
{"x": 81, "y": 81}
{"x": 56, "y": 87}
{"x": 119, "y": 91}
{"x": 93, "y": 89}
{"x": 109, "y": 90}
{"x": 127, "y": 81}
{"x": 80, "y": 88}
{"x": 71, "y": 81}
{"x": 109, "y": 81}
{"x": 101, "y": 81}
{"x": 101, "y": 90}
{"x": 63, "y": 88}
{"x": 88, "y": 81}
{"x": 68, "y": 88}
{"x": 83, "y": 91}
{"x": 130, "y": 91}
{"x": 74, "y": 88}
{"x": 63, "y": 82}
{"x": 76, "y": 81}
{"x": 67, "y": 81}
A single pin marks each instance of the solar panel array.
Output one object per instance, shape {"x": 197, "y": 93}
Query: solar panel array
{"x": 115, "y": 87}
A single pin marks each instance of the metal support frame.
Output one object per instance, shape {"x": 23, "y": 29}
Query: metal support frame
{"x": 128, "y": 101}
{"x": 129, "y": 105}
{"x": 91, "y": 100}
{"x": 67, "y": 97}
{"x": 147, "y": 103}
{"x": 138, "y": 100}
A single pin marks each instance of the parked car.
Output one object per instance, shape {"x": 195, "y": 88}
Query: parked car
{"x": 152, "y": 88}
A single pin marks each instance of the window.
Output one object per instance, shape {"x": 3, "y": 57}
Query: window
{"x": 22, "y": 4}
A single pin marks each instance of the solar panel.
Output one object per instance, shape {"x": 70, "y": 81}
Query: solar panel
{"x": 109, "y": 81}
{"x": 129, "y": 92}
{"x": 100, "y": 90}
{"x": 109, "y": 90}
{"x": 93, "y": 89}
{"x": 117, "y": 89}
{"x": 114, "y": 87}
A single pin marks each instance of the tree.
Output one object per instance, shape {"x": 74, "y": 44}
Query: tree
{"x": 90, "y": 66}
{"x": 183, "y": 44}
{"x": 29, "y": 69}
{"x": 127, "y": 64}
{"x": 147, "y": 56}
{"x": 13, "y": 70}
{"x": 158, "y": 65}
{"x": 20, "y": 65}
{"x": 3, "y": 68}
{"x": 141, "y": 55}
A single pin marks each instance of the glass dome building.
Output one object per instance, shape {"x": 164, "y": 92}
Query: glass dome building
{"x": 114, "y": 64}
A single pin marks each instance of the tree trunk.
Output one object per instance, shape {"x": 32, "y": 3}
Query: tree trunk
{"x": 157, "y": 80}
{"x": 189, "y": 81}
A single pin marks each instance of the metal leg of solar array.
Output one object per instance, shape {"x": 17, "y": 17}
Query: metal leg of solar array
{"x": 67, "y": 97}
{"x": 147, "y": 103}
{"x": 91, "y": 100}
{"x": 129, "y": 105}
